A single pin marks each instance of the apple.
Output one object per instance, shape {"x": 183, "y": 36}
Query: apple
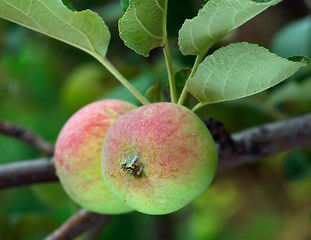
{"x": 84, "y": 85}
{"x": 158, "y": 157}
{"x": 78, "y": 156}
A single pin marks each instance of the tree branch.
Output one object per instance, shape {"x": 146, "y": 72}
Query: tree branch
{"x": 240, "y": 148}
{"x": 27, "y": 172}
{"x": 82, "y": 221}
{"x": 256, "y": 143}
{"x": 27, "y": 136}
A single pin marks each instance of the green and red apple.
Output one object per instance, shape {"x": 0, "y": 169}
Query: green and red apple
{"x": 78, "y": 155}
{"x": 158, "y": 157}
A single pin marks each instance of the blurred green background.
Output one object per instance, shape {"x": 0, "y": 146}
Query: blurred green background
{"x": 43, "y": 82}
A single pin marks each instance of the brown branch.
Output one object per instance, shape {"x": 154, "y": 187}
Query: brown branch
{"x": 256, "y": 143}
{"x": 82, "y": 221}
{"x": 27, "y": 136}
{"x": 240, "y": 148}
{"x": 27, "y": 172}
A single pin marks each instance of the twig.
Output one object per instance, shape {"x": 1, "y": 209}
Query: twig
{"x": 240, "y": 148}
{"x": 256, "y": 143}
{"x": 82, "y": 221}
{"x": 27, "y": 136}
{"x": 27, "y": 172}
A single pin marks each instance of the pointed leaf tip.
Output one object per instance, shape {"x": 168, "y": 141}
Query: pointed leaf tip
{"x": 125, "y": 4}
{"x": 299, "y": 59}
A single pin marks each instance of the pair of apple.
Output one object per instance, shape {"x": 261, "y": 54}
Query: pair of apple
{"x": 113, "y": 158}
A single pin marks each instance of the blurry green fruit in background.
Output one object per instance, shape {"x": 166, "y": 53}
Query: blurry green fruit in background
{"x": 84, "y": 85}
{"x": 286, "y": 43}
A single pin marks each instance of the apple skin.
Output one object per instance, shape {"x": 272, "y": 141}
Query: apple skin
{"x": 78, "y": 156}
{"x": 158, "y": 157}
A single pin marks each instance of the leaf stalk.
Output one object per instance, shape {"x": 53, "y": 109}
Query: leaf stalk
{"x": 196, "y": 107}
{"x": 170, "y": 70}
{"x": 168, "y": 59}
{"x": 111, "y": 68}
{"x": 184, "y": 92}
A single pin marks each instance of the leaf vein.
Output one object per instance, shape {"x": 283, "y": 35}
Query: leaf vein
{"x": 51, "y": 11}
{"x": 193, "y": 42}
{"x": 229, "y": 72}
{"x": 144, "y": 28}
{"x": 72, "y": 26}
{"x": 21, "y": 11}
{"x": 159, "y": 6}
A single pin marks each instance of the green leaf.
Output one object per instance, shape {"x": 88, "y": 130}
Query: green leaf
{"x": 69, "y": 5}
{"x": 84, "y": 30}
{"x": 125, "y": 4}
{"x": 155, "y": 93}
{"x": 240, "y": 70}
{"x": 142, "y": 26}
{"x": 216, "y": 19}
{"x": 181, "y": 77}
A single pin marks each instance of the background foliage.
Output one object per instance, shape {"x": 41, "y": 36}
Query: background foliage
{"x": 43, "y": 82}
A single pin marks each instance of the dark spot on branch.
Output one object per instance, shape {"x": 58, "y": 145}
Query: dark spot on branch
{"x": 220, "y": 133}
